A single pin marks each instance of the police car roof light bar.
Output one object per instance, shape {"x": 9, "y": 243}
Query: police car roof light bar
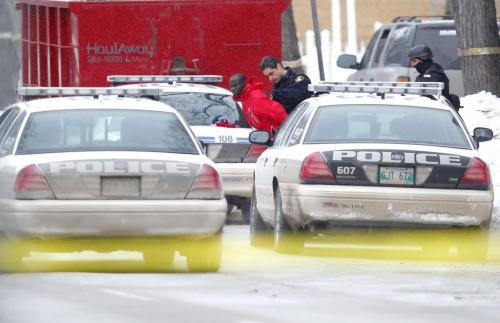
{"x": 87, "y": 91}
{"x": 417, "y": 88}
{"x": 164, "y": 78}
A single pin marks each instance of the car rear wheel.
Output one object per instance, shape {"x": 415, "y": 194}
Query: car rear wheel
{"x": 245, "y": 207}
{"x": 158, "y": 258}
{"x": 12, "y": 253}
{"x": 205, "y": 255}
{"x": 260, "y": 232}
{"x": 285, "y": 239}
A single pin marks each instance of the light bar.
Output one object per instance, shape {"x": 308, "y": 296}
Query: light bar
{"x": 79, "y": 91}
{"x": 418, "y": 88}
{"x": 164, "y": 78}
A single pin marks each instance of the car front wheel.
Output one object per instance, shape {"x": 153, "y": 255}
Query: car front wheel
{"x": 260, "y": 232}
{"x": 285, "y": 239}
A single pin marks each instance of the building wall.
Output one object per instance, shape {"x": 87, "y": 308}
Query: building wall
{"x": 368, "y": 12}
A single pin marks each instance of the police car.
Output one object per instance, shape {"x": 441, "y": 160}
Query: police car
{"x": 217, "y": 121}
{"x": 373, "y": 155}
{"x": 99, "y": 166}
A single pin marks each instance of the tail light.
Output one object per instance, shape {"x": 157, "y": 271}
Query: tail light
{"x": 253, "y": 153}
{"x": 206, "y": 184}
{"x": 31, "y": 184}
{"x": 314, "y": 167}
{"x": 402, "y": 79}
{"x": 476, "y": 176}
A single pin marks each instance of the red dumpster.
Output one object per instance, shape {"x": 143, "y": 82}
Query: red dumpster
{"x": 79, "y": 43}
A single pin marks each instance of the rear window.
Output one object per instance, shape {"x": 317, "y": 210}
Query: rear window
{"x": 390, "y": 124}
{"x": 104, "y": 130}
{"x": 204, "y": 109}
{"x": 443, "y": 43}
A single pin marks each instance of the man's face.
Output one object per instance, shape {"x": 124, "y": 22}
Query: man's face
{"x": 236, "y": 87}
{"x": 414, "y": 62}
{"x": 274, "y": 74}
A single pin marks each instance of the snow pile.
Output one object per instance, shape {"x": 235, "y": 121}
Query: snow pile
{"x": 483, "y": 110}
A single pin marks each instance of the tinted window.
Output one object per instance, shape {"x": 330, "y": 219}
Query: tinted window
{"x": 369, "y": 50}
{"x": 443, "y": 43}
{"x": 380, "y": 47}
{"x": 6, "y": 121}
{"x": 99, "y": 130}
{"x": 392, "y": 124}
{"x": 7, "y": 143}
{"x": 287, "y": 126}
{"x": 396, "y": 45}
{"x": 203, "y": 109}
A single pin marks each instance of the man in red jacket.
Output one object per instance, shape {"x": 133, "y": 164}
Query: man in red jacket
{"x": 260, "y": 111}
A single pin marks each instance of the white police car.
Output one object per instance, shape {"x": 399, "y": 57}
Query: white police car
{"x": 217, "y": 121}
{"x": 379, "y": 158}
{"x": 105, "y": 166}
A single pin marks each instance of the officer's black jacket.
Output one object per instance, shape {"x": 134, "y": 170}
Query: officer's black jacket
{"x": 291, "y": 90}
{"x": 432, "y": 72}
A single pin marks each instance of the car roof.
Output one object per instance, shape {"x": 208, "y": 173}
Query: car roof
{"x": 184, "y": 87}
{"x": 89, "y": 102}
{"x": 373, "y": 99}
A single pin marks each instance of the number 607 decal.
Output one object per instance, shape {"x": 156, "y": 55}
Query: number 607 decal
{"x": 345, "y": 170}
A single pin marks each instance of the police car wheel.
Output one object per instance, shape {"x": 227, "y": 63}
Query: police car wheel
{"x": 285, "y": 239}
{"x": 245, "y": 211}
{"x": 205, "y": 255}
{"x": 260, "y": 233}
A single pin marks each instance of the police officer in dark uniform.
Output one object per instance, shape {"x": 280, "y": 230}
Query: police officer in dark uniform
{"x": 421, "y": 58}
{"x": 289, "y": 88}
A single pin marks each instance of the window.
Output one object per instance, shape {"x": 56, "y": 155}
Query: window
{"x": 396, "y": 46}
{"x": 203, "y": 109}
{"x": 298, "y": 131}
{"x": 7, "y": 143}
{"x": 288, "y": 125}
{"x": 391, "y": 124}
{"x": 380, "y": 47}
{"x": 105, "y": 130}
{"x": 443, "y": 43}
{"x": 6, "y": 120}
{"x": 369, "y": 50}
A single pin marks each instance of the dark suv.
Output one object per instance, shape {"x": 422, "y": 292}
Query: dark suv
{"x": 386, "y": 57}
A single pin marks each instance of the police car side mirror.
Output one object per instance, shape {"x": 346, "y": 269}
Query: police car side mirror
{"x": 348, "y": 61}
{"x": 260, "y": 137}
{"x": 482, "y": 134}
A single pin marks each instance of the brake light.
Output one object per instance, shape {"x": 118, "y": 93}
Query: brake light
{"x": 476, "y": 176}
{"x": 31, "y": 184}
{"x": 402, "y": 79}
{"x": 206, "y": 185}
{"x": 253, "y": 153}
{"x": 314, "y": 167}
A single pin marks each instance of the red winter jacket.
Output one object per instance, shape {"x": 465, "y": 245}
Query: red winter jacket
{"x": 260, "y": 111}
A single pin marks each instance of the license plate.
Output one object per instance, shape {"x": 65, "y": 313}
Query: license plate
{"x": 396, "y": 175}
{"x": 120, "y": 186}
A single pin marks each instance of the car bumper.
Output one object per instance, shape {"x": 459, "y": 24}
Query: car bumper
{"x": 378, "y": 205}
{"x": 237, "y": 179}
{"x": 112, "y": 218}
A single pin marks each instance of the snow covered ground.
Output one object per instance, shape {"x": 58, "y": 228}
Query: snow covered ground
{"x": 483, "y": 110}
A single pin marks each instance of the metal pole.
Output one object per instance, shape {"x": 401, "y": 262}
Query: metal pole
{"x": 317, "y": 38}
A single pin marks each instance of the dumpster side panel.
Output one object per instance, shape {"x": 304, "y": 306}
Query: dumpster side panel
{"x": 96, "y": 39}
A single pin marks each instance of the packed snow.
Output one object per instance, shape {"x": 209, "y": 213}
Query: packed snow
{"x": 483, "y": 110}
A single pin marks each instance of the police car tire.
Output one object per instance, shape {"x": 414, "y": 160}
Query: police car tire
{"x": 260, "y": 232}
{"x": 285, "y": 239}
{"x": 12, "y": 253}
{"x": 205, "y": 255}
{"x": 158, "y": 258}
{"x": 245, "y": 211}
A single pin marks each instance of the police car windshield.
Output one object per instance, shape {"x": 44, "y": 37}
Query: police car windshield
{"x": 389, "y": 124}
{"x": 203, "y": 109}
{"x": 104, "y": 130}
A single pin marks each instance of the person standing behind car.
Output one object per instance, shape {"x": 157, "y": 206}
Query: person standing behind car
{"x": 421, "y": 58}
{"x": 260, "y": 111}
{"x": 289, "y": 88}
